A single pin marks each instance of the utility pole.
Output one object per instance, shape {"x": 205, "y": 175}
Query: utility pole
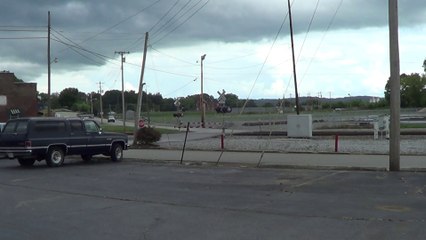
{"x": 122, "y": 88}
{"x": 91, "y": 103}
{"x": 202, "y": 106}
{"x": 100, "y": 101}
{"x": 141, "y": 83}
{"x": 395, "y": 82}
{"x": 294, "y": 61}
{"x": 48, "y": 65}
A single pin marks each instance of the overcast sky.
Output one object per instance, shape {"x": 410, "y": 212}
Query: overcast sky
{"x": 341, "y": 45}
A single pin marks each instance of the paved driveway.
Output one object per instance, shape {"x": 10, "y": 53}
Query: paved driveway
{"x": 137, "y": 200}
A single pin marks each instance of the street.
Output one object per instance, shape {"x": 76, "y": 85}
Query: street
{"x": 140, "y": 200}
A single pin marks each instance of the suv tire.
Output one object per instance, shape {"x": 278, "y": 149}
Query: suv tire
{"x": 55, "y": 157}
{"x": 116, "y": 152}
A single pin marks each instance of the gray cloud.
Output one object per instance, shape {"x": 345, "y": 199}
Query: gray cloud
{"x": 104, "y": 26}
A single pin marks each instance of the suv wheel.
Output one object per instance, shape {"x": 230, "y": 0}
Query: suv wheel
{"x": 26, "y": 162}
{"x": 116, "y": 152}
{"x": 55, "y": 157}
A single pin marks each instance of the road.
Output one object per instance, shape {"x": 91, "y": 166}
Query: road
{"x": 139, "y": 200}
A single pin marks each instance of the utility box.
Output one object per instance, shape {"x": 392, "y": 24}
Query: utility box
{"x": 299, "y": 126}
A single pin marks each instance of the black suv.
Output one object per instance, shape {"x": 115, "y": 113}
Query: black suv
{"x": 50, "y": 139}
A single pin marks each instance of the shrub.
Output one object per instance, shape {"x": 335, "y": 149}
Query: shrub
{"x": 147, "y": 135}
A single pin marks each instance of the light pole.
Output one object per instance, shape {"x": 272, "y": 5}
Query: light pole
{"x": 202, "y": 107}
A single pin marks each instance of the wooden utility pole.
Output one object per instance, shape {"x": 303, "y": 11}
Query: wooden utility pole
{"x": 140, "y": 93}
{"x": 122, "y": 88}
{"x": 395, "y": 82}
{"x": 48, "y": 66}
{"x": 294, "y": 60}
{"x": 202, "y": 105}
{"x": 101, "y": 112}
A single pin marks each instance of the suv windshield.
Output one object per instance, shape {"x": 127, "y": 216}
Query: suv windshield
{"x": 91, "y": 127}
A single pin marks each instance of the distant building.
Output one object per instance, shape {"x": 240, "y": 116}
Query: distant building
{"x": 375, "y": 99}
{"x": 17, "y": 99}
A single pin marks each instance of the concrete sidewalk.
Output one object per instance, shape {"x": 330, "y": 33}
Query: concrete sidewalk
{"x": 274, "y": 159}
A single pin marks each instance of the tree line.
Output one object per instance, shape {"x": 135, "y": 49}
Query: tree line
{"x": 73, "y": 99}
{"x": 413, "y": 94}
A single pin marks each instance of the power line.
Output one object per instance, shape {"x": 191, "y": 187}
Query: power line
{"x": 186, "y": 20}
{"x": 75, "y": 47}
{"x": 167, "y": 13}
{"x": 264, "y": 62}
{"x": 167, "y": 22}
{"x": 132, "y": 46}
{"x": 21, "y": 38}
{"x": 173, "y": 57}
{"x": 322, "y": 39}
{"x": 120, "y": 22}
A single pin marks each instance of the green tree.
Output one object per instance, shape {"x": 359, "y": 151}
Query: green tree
{"x": 412, "y": 90}
{"x": 231, "y": 100}
{"x": 190, "y": 102}
{"x": 111, "y": 101}
{"x": 68, "y": 97}
{"x": 81, "y": 107}
{"x": 154, "y": 101}
{"x": 167, "y": 105}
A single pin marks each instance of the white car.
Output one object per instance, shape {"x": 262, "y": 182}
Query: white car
{"x": 111, "y": 119}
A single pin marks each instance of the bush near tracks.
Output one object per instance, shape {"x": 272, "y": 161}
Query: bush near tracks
{"x": 147, "y": 135}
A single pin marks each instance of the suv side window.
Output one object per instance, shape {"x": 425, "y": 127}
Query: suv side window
{"x": 91, "y": 127}
{"x": 49, "y": 127}
{"x": 76, "y": 126}
{"x": 21, "y": 127}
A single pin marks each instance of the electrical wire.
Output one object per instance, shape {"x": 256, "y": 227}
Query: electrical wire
{"x": 322, "y": 38}
{"x": 21, "y": 38}
{"x": 120, "y": 22}
{"x": 133, "y": 45}
{"x": 167, "y": 13}
{"x": 303, "y": 44}
{"x": 173, "y": 57}
{"x": 77, "y": 46}
{"x": 186, "y": 20}
{"x": 264, "y": 62}
{"x": 159, "y": 30}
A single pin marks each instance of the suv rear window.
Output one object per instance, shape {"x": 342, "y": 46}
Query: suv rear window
{"x": 16, "y": 127}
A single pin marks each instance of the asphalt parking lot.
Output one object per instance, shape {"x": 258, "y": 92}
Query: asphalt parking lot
{"x": 140, "y": 200}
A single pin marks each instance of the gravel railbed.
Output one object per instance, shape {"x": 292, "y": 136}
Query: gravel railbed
{"x": 409, "y": 145}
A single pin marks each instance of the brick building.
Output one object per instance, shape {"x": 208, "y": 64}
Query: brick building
{"x": 17, "y": 99}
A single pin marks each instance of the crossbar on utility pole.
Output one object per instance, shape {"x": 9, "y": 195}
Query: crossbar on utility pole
{"x": 122, "y": 88}
{"x": 395, "y": 82}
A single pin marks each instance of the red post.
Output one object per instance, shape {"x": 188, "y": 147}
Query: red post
{"x": 336, "y": 143}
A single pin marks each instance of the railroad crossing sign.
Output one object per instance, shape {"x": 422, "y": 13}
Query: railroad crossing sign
{"x": 222, "y": 98}
{"x": 177, "y": 102}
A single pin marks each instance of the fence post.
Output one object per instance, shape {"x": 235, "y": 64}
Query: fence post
{"x": 184, "y": 143}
